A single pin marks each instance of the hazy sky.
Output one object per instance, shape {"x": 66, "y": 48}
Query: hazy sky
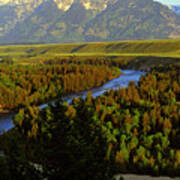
{"x": 177, "y": 2}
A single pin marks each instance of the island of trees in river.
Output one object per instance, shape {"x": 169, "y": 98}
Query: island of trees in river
{"x": 130, "y": 130}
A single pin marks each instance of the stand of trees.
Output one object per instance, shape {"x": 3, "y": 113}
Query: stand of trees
{"x": 134, "y": 129}
{"x": 23, "y": 85}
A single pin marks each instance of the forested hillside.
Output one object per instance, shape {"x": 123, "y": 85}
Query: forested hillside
{"x": 131, "y": 130}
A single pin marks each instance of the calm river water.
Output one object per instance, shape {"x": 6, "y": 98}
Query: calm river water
{"x": 122, "y": 81}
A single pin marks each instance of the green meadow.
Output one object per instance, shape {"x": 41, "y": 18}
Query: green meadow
{"x": 38, "y": 53}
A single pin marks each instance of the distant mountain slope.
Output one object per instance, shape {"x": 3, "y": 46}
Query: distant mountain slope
{"x": 14, "y": 11}
{"x": 35, "y": 26}
{"x": 70, "y": 26}
{"x": 86, "y": 20}
{"x": 7, "y": 19}
{"x": 137, "y": 19}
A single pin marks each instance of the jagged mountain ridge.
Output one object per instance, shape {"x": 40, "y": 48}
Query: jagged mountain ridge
{"x": 16, "y": 11}
{"x": 76, "y": 20}
{"x": 134, "y": 19}
{"x": 62, "y": 4}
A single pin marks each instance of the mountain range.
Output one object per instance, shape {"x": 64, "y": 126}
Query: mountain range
{"x": 59, "y": 21}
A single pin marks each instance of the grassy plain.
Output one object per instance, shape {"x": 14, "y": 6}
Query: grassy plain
{"x": 38, "y": 53}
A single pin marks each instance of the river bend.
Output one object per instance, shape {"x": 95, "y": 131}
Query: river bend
{"x": 122, "y": 81}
